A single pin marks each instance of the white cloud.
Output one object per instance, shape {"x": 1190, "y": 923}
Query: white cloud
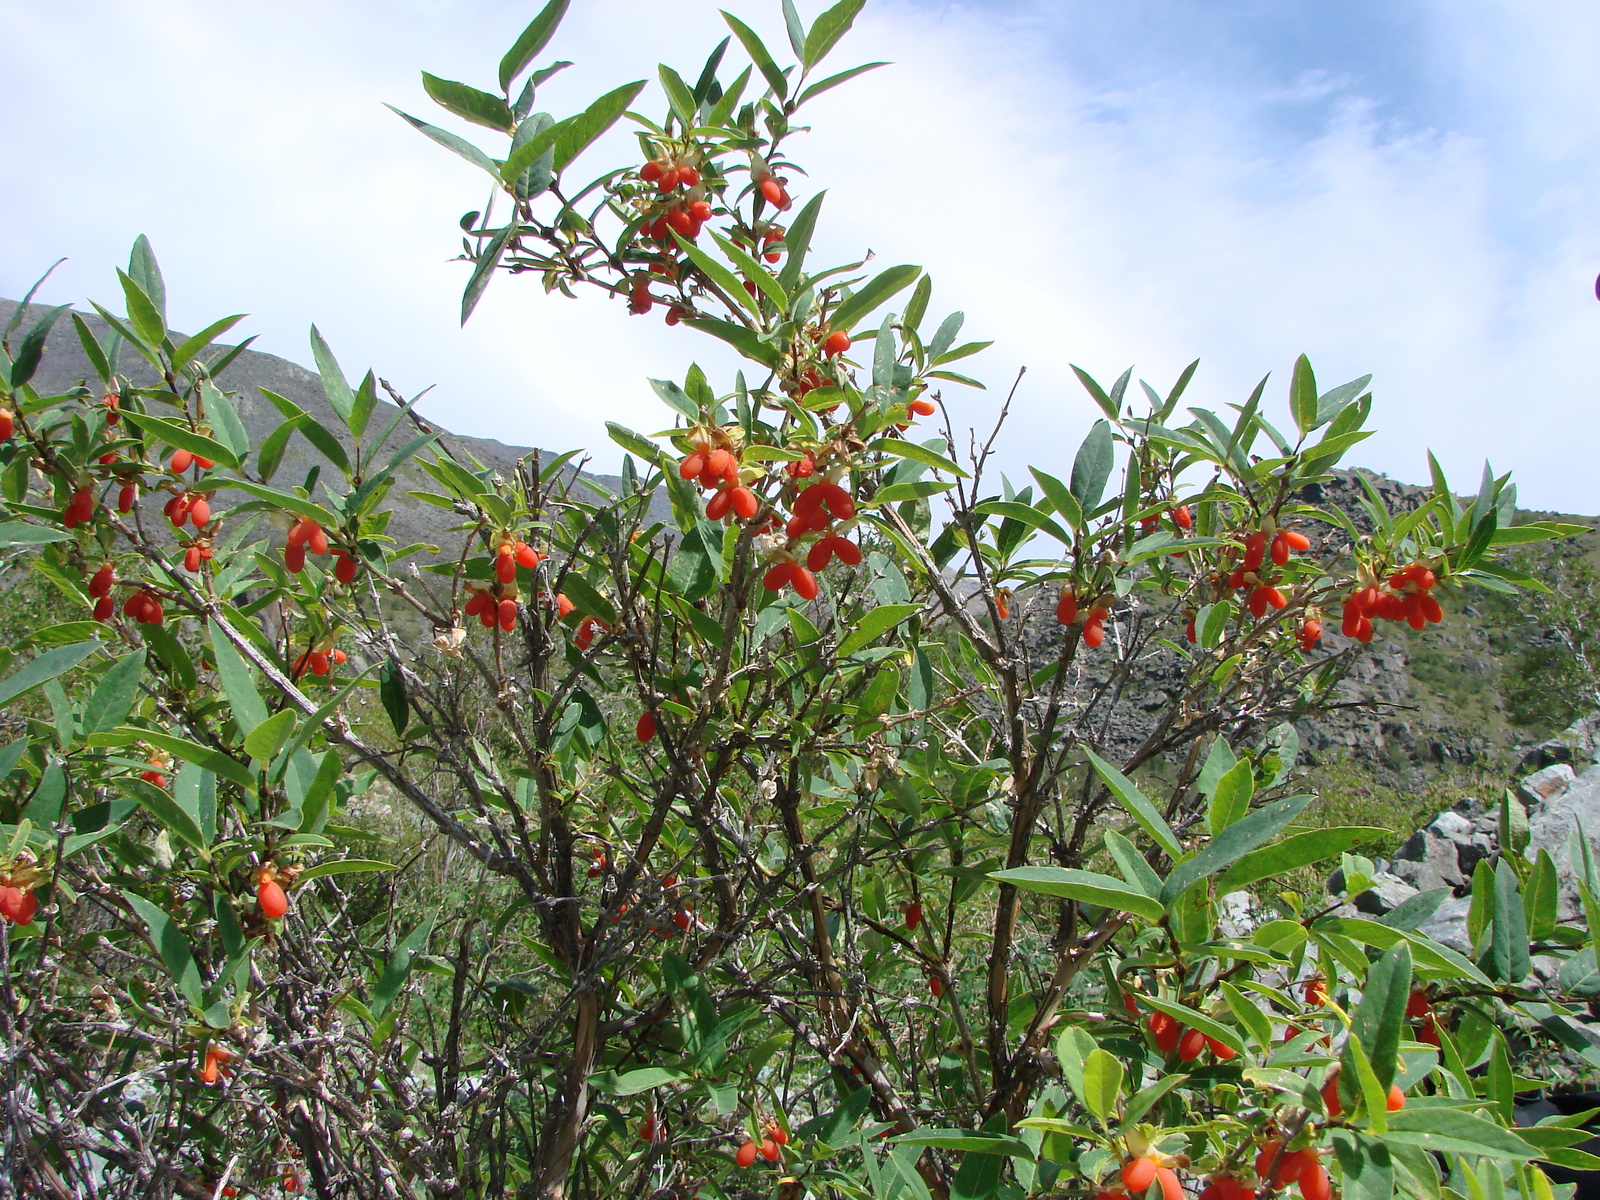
{"x": 1146, "y": 222}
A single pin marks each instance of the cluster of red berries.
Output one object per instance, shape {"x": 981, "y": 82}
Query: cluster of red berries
{"x": 192, "y": 507}
{"x": 1247, "y": 578}
{"x": 493, "y": 606}
{"x": 1406, "y": 596}
{"x": 305, "y": 534}
{"x": 1169, "y": 1034}
{"x": 1420, "y": 1008}
{"x": 100, "y": 584}
{"x": 318, "y": 662}
{"x": 1181, "y": 517}
{"x": 512, "y": 553}
{"x": 773, "y": 1139}
{"x": 716, "y": 467}
{"x": 156, "y": 768}
{"x": 1094, "y": 629}
{"x": 80, "y": 509}
{"x": 143, "y": 606}
{"x": 816, "y": 508}
{"x": 182, "y": 460}
{"x": 1140, "y": 1172}
{"x": 774, "y": 191}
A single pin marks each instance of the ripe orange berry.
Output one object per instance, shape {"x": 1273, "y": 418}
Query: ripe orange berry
{"x": 1330, "y": 1094}
{"x": 271, "y": 898}
{"x": 770, "y": 1150}
{"x": 1220, "y": 1049}
{"x": 922, "y": 408}
{"x": 1067, "y": 607}
{"x": 181, "y": 461}
{"x": 8, "y": 423}
{"x": 1396, "y": 1099}
{"x": 17, "y": 905}
{"x": 1138, "y": 1174}
{"x": 1190, "y": 1045}
{"x": 1417, "y": 1004}
{"x": 1315, "y": 1184}
{"x": 508, "y": 614}
{"x": 746, "y": 1154}
{"x": 646, "y": 727}
{"x": 936, "y": 986}
{"x": 913, "y": 915}
{"x": 838, "y": 342}
{"x": 1171, "y": 1188}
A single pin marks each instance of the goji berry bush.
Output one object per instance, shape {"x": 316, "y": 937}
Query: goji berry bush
{"x": 812, "y": 825}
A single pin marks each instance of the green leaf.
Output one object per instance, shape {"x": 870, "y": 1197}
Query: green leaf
{"x": 1060, "y": 497}
{"x": 182, "y": 437}
{"x": 833, "y": 81}
{"x": 287, "y": 500}
{"x": 143, "y": 313}
{"x": 31, "y": 350}
{"x": 114, "y": 695}
{"x": 645, "y": 1079}
{"x": 1366, "y": 1171}
{"x": 483, "y": 271}
{"x": 875, "y": 624}
{"x": 961, "y": 1139}
{"x": 1541, "y": 897}
{"x": 1231, "y": 797}
{"x": 171, "y": 945}
{"x": 1509, "y": 949}
{"x": 1249, "y": 1014}
{"x": 1102, "y": 1083}
{"x": 758, "y": 54}
{"x": 921, "y": 454}
{"x": 1298, "y": 850}
{"x": 828, "y": 28}
{"x": 721, "y": 276}
{"x": 873, "y": 293}
{"x": 225, "y": 420}
{"x": 238, "y": 685}
{"x": 264, "y": 741}
{"x": 44, "y": 668}
{"x": 167, "y": 811}
{"x": 459, "y": 145}
{"x": 1132, "y": 864}
{"x": 334, "y": 385}
{"x": 1303, "y": 395}
{"x": 184, "y": 354}
{"x": 146, "y": 272}
{"x": 1454, "y": 1131}
{"x": 914, "y": 490}
{"x": 392, "y": 691}
{"x": 1027, "y": 514}
{"x": 1233, "y": 843}
{"x": 468, "y": 103}
{"x": 530, "y": 42}
{"x": 1380, "y": 1019}
{"x": 20, "y": 533}
{"x": 1142, "y": 811}
{"x": 1088, "y": 887}
{"x": 343, "y": 866}
{"x": 398, "y": 969}
{"x": 745, "y": 340}
{"x": 577, "y": 134}
{"x": 1195, "y": 1019}
{"x": 212, "y": 760}
{"x": 1073, "y": 1047}
{"x": 1092, "y": 466}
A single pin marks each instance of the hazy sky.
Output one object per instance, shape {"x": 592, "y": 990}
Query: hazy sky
{"x": 1406, "y": 187}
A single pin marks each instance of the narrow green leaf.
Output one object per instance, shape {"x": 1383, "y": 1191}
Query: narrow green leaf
{"x": 1303, "y": 395}
{"x": 342, "y": 866}
{"x": 230, "y": 430}
{"x": 1380, "y": 1019}
{"x": 398, "y": 969}
{"x": 746, "y": 341}
{"x": 238, "y": 685}
{"x": 1509, "y": 949}
{"x": 264, "y": 741}
{"x": 20, "y": 533}
{"x": 31, "y": 350}
{"x": 1195, "y": 1019}
{"x": 873, "y": 625}
{"x": 530, "y": 42}
{"x": 873, "y": 293}
{"x": 47, "y": 666}
{"x": 1455, "y": 1131}
{"x": 1142, "y": 811}
{"x": 114, "y": 695}
{"x": 457, "y": 144}
{"x": 1249, "y": 1014}
{"x": 1230, "y": 799}
{"x": 1060, "y": 497}
{"x": 1089, "y": 887}
{"x": 1132, "y": 864}
{"x": 1295, "y": 851}
{"x": 167, "y": 811}
{"x": 171, "y": 945}
{"x": 1233, "y": 843}
{"x": 577, "y": 134}
{"x": 1092, "y": 466}
{"x": 916, "y": 453}
{"x": 212, "y": 760}
{"x": 757, "y": 51}
{"x": 334, "y": 385}
{"x": 828, "y": 28}
{"x": 181, "y": 436}
{"x": 392, "y": 691}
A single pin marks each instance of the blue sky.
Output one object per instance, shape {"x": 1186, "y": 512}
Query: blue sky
{"x": 1408, "y": 188}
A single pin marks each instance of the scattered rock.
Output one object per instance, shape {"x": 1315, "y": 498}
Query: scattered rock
{"x": 1387, "y": 893}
